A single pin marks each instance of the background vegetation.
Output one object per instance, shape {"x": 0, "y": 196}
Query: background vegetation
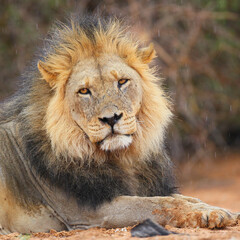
{"x": 198, "y": 47}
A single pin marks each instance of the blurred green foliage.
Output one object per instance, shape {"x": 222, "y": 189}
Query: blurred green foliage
{"x": 198, "y": 47}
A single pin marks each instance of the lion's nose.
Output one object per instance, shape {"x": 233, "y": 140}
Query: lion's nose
{"x": 111, "y": 120}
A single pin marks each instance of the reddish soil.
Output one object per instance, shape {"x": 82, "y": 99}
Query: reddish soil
{"x": 214, "y": 182}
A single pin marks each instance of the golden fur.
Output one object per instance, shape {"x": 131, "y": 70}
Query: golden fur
{"x": 153, "y": 116}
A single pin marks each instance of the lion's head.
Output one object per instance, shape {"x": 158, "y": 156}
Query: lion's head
{"x": 106, "y": 99}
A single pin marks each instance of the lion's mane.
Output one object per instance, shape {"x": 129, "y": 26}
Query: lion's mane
{"x": 59, "y": 151}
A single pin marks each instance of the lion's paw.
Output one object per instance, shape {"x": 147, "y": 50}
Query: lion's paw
{"x": 217, "y": 218}
{"x": 203, "y": 215}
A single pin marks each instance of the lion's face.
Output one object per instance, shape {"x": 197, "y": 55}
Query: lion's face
{"x": 105, "y": 100}
{"x": 104, "y": 96}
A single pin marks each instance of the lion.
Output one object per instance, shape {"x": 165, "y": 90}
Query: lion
{"x": 82, "y": 141}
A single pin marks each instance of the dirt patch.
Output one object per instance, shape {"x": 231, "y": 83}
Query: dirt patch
{"x": 216, "y": 183}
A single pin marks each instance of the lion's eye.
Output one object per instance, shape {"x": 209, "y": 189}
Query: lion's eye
{"x": 84, "y": 91}
{"x": 122, "y": 82}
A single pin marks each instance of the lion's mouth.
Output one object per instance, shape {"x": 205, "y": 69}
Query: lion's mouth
{"x": 114, "y": 142}
{"x": 112, "y": 136}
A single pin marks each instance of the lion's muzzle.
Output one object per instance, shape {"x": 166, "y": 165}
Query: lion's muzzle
{"x": 111, "y": 121}
{"x": 112, "y": 131}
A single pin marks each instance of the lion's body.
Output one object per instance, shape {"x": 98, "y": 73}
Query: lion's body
{"x": 25, "y": 208}
{"x": 73, "y": 158}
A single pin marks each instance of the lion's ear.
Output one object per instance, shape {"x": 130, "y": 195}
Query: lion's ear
{"x": 47, "y": 74}
{"x": 147, "y": 54}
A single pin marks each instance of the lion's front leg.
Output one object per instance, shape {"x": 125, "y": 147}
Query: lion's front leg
{"x": 176, "y": 210}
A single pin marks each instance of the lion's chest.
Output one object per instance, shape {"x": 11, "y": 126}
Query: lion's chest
{"x": 71, "y": 197}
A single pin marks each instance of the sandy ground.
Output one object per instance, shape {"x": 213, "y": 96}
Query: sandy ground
{"x": 214, "y": 182}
